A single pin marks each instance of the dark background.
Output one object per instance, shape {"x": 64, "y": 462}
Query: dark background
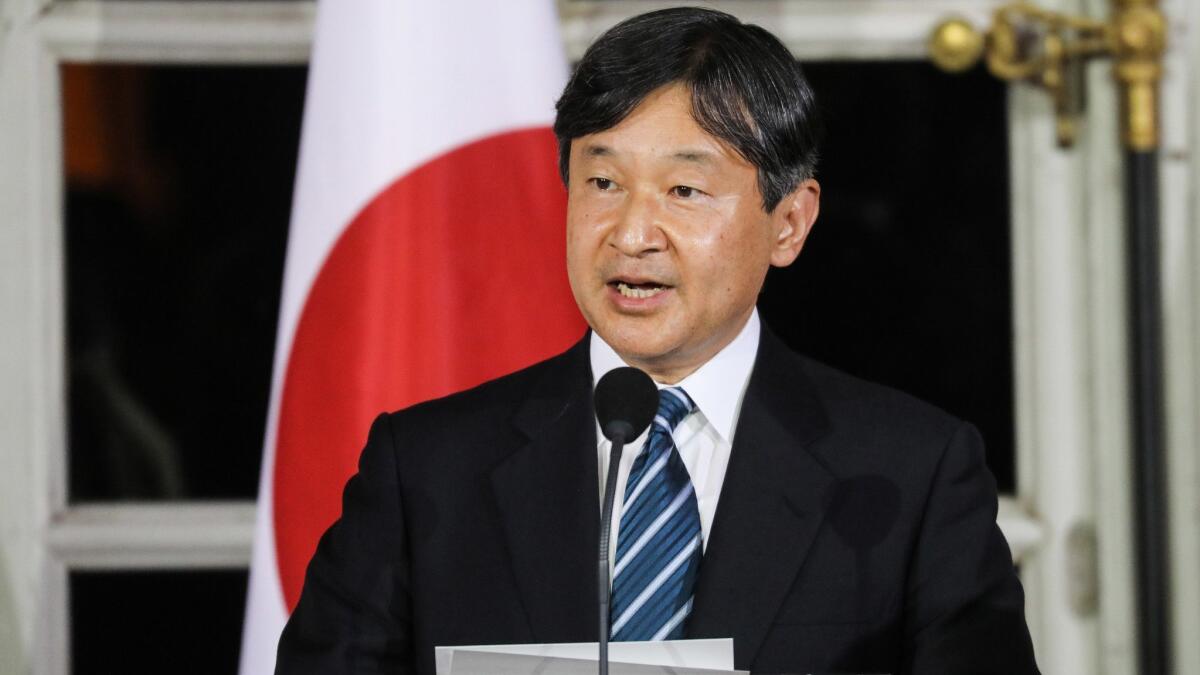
{"x": 905, "y": 279}
{"x": 179, "y": 185}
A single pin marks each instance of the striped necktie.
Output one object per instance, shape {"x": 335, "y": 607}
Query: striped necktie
{"x": 659, "y": 540}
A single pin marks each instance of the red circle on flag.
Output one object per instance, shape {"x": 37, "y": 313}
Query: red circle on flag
{"x": 453, "y": 275}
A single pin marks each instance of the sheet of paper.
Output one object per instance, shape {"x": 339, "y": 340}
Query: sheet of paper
{"x": 714, "y": 654}
{"x": 468, "y": 662}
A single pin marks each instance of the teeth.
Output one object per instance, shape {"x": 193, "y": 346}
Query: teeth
{"x": 632, "y": 292}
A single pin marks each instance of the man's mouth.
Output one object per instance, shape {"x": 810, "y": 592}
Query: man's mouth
{"x": 639, "y": 291}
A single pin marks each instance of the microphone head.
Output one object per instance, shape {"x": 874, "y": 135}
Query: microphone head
{"x": 626, "y": 401}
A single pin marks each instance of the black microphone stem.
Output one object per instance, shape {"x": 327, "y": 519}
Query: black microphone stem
{"x": 610, "y": 486}
{"x": 625, "y": 400}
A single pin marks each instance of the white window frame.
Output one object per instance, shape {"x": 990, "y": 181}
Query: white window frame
{"x": 1068, "y": 521}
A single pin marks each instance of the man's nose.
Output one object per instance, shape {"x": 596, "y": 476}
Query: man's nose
{"x": 638, "y": 229}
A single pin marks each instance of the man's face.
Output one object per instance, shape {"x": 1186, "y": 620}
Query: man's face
{"x": 667, "y": 241}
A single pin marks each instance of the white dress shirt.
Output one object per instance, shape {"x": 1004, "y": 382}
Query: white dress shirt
{"x": 704, "y": 438}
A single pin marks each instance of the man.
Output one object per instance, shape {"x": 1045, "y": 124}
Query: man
{"x": 824, "y": 523}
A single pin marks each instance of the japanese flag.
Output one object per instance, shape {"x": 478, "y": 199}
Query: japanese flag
{"x": 426, "y": 250}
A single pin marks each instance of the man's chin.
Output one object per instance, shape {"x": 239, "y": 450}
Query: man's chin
{"x": 640, "y": 340}
{"x": 648, "y": 352}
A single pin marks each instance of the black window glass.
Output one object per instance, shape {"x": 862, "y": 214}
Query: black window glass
{"x": 905, "y": 279}
{"x": 157, "y": 622}
{"x": 179, "y": 185}
{"x": 178, "y": 193}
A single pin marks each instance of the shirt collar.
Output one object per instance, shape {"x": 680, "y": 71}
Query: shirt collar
{"x": 717, "y": 387}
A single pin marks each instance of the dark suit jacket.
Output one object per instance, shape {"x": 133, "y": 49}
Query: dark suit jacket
{"x": 855, "y": 532}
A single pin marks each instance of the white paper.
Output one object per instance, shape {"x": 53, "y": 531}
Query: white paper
{"x": 467, "y": 662}
{"x": 702, "y": 655}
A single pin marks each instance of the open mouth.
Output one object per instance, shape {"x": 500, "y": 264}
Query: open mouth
{"x": 640, "y": 291}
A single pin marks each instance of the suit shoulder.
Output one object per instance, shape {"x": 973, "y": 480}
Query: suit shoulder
{"x": 849, "y": 399}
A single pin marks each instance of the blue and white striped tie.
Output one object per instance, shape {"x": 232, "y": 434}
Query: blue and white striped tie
{"x": 659, "y": 541}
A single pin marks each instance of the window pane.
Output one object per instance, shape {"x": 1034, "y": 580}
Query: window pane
{"x": 178, "y": 184}
{"x": 905, "y": 279}
{"x": 156, "y": 622}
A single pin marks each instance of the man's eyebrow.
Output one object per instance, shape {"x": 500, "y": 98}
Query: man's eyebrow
{"x": 693, "y": 156}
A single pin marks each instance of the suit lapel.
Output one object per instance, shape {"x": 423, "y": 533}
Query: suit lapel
{"x": 547, "y": 493}
{"x": 771, "y": 505}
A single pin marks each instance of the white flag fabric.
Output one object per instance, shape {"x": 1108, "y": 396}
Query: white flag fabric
{"x": 427, "y": 228}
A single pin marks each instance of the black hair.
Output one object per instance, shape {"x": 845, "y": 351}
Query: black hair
{"x": 746, "y": 89}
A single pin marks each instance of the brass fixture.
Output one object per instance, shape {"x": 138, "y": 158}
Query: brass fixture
{"x": 1029, "y": 44}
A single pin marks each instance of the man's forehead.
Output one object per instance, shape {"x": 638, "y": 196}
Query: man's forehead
{"x": 684, "y": 154}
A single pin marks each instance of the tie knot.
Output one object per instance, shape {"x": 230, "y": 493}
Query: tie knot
{"x": 673, "y": 405}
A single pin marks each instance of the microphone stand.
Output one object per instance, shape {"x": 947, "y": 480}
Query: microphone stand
{"x": 610, "y": 484}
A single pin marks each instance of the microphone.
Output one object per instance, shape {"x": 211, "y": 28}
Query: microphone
{"x": 626, "y": 401}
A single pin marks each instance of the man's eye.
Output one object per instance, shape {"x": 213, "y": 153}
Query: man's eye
{"x": 602, "y": 183}
{"x": 684, "y": 192}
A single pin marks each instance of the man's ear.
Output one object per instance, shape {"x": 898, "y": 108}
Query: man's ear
{"x": 794, "y": 217}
